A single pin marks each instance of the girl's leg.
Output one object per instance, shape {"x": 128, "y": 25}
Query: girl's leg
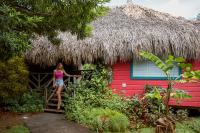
{"x": 58, "y": 92}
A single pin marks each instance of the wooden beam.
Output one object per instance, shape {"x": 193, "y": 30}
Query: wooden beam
{"x": 45, "y": 75}
{"x": 33, "y": 84}
{"x": 39, "y": 81}
{"x": 33, "y": 76}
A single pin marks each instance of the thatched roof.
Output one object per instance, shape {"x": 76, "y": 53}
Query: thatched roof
{"x": 197, "y": 24}
{"x": 119, "y": 36}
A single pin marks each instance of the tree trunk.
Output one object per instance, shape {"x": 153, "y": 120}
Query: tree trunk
{"x": 169, "y": 89}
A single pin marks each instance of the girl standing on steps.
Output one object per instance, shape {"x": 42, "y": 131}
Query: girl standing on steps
{"x": 58, "y": 82}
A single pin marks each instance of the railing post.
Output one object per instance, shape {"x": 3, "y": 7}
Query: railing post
{"x": 39, "y": 87}
{"x": 74, "y": 78}
{"x": 46, "y": 97}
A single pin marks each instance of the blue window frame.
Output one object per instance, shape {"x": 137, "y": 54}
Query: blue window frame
{"x": 147, "y": 70}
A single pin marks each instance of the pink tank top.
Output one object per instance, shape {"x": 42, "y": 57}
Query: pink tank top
{"x": 59, "y": 74}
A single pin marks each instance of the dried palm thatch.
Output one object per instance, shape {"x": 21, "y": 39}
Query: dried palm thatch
{"x": 197, "y": 24}
{"x": 119, "y": 36}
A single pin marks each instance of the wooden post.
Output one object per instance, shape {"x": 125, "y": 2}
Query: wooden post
{"x": 45, "y": 94}
{"x": 39, "y": 87}
{"x": 80, "y": 68}
{"x": 74, "y": 82}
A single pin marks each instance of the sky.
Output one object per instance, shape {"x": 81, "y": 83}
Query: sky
{"x": 185, "y": 8}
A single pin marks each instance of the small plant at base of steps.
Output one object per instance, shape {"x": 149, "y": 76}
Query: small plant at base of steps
{"x": 30, "y": 102}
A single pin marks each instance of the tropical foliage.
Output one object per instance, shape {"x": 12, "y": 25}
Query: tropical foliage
{"x": 14, "y": 80}
{"x": 91, "y": 96}
{"x": 167, "y": 124}
{"x": 166, "y": 66}
{"x": 93, "y": 92}
{"x": 30, "y": 102}
{"x": 189, "y": 126}
{"x": 21, "y": 19}
{"x": 145, "y": 109}
{"x": 107, "y": 120}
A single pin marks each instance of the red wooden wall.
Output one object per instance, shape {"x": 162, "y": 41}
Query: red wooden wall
{"x": 122, "y": 83}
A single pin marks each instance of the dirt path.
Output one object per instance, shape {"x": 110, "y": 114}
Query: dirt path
{"x": 8, "y": 120}
{"x": 52, "y": 123}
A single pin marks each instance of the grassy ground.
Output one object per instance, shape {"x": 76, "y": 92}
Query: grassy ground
{"x": 190, "y": 126}
{"x": 17, "y": 129}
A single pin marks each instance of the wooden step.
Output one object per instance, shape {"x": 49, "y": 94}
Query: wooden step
{"x": 52, "y": 104}
{"x": 54, "y": 110}
{"x": 53, "y": 99}
{"x": 62, "y": 95}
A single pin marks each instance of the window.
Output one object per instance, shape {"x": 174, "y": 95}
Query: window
{"x": 147, "y": 70}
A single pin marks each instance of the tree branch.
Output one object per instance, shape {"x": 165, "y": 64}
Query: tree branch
{"x": 28, "y": 11}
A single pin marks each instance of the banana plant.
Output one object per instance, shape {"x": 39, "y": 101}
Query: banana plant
{"x": 167, "y": 65}
{"x": 154, "y": 94}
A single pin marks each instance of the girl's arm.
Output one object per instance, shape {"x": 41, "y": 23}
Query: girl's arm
{"x": 66, "y": 74}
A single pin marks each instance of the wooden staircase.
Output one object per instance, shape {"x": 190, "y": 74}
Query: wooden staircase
{"x": 51, "y": 103}
{"x": 42, "y": 83}
{"x": 51, "y": 99}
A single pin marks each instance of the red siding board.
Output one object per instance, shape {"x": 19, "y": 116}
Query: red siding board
{"x": 121, "y": 75}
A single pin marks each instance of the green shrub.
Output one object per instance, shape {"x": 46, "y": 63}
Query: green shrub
{"x": 92, "y": 93}
{"x": 107, "y": 120}
{"x": 30, "y": 102}
{"x": 13, "y": 80}
{"x": 151, "y": 106}
{"x": 182, "y": 114}
{"x": 189, "y": 126}
{"x": 91, "y": 98}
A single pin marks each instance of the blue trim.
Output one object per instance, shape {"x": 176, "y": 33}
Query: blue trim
{"x": 151, "y": 78}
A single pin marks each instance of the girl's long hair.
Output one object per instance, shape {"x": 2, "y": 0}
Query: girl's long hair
{"x": 58, "y": 65}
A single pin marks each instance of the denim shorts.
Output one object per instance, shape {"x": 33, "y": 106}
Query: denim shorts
{"x": 59, "y": 82}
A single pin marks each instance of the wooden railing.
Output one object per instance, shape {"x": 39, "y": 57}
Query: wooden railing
{"x": 38, "y": 81}
{"x": 43, "y": 84}
{"x": 49, "y": 91}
